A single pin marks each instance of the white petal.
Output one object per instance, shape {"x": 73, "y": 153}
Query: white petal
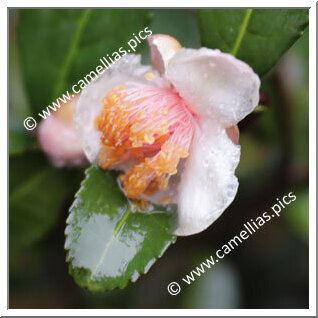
{"x": 162, "y": 49}
{"x": 208, "y": 184}
{"x": 128, "y": 71}
{"x": 214, "y": 84}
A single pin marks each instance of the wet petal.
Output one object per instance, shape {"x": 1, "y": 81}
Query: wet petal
{"x": 214, "y": 84}
{"x": 208, "y": 184}
{"x": 128, "y": 70}
{"x": 162, "y": 48}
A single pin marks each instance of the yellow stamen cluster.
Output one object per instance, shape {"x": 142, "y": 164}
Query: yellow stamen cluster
{"x": 132, "y": 132}
{"x": 154, "y": 172}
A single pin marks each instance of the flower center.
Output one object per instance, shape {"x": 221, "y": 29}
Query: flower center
{"x": 149, "y": 127}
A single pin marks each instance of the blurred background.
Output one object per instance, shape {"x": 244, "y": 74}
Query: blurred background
{"x": 269, "y": 270}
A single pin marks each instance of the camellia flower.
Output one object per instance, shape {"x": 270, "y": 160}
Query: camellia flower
{"x": 57, "y": 137}
{"x": 171, "y": 129}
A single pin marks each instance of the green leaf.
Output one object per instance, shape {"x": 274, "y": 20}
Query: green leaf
{"x": 257, "y": 36}
{"x": 260, "y": 109}
{"x": 59, "y": 47}
{"x": 19, "y": 139}
{"x": 181, "y": 24}
{"x": 108, "y": 244}
{"x": 297, "y": 215}
{"x": 36, "y": 194}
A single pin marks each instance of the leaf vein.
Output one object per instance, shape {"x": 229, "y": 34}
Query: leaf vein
{"x": 82, "y": 21}
{"x": 107, "y": 246}
{"x": 242, "y": 31}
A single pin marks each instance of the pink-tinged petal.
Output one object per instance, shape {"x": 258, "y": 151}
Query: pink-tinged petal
{"x": 129, "y": 71}
{"x": 214, "y": 84}
{"x": 59, "y": 141}
{"x": 208, "y": 184}
{"x": 150, "y": 128}
{"x": 234, "y": 134}
{"x": 162, "y": 49}
{"x": 57, "y": 137}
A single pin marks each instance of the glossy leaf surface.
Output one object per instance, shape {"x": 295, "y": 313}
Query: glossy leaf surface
{"x": 108, "y": 244}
